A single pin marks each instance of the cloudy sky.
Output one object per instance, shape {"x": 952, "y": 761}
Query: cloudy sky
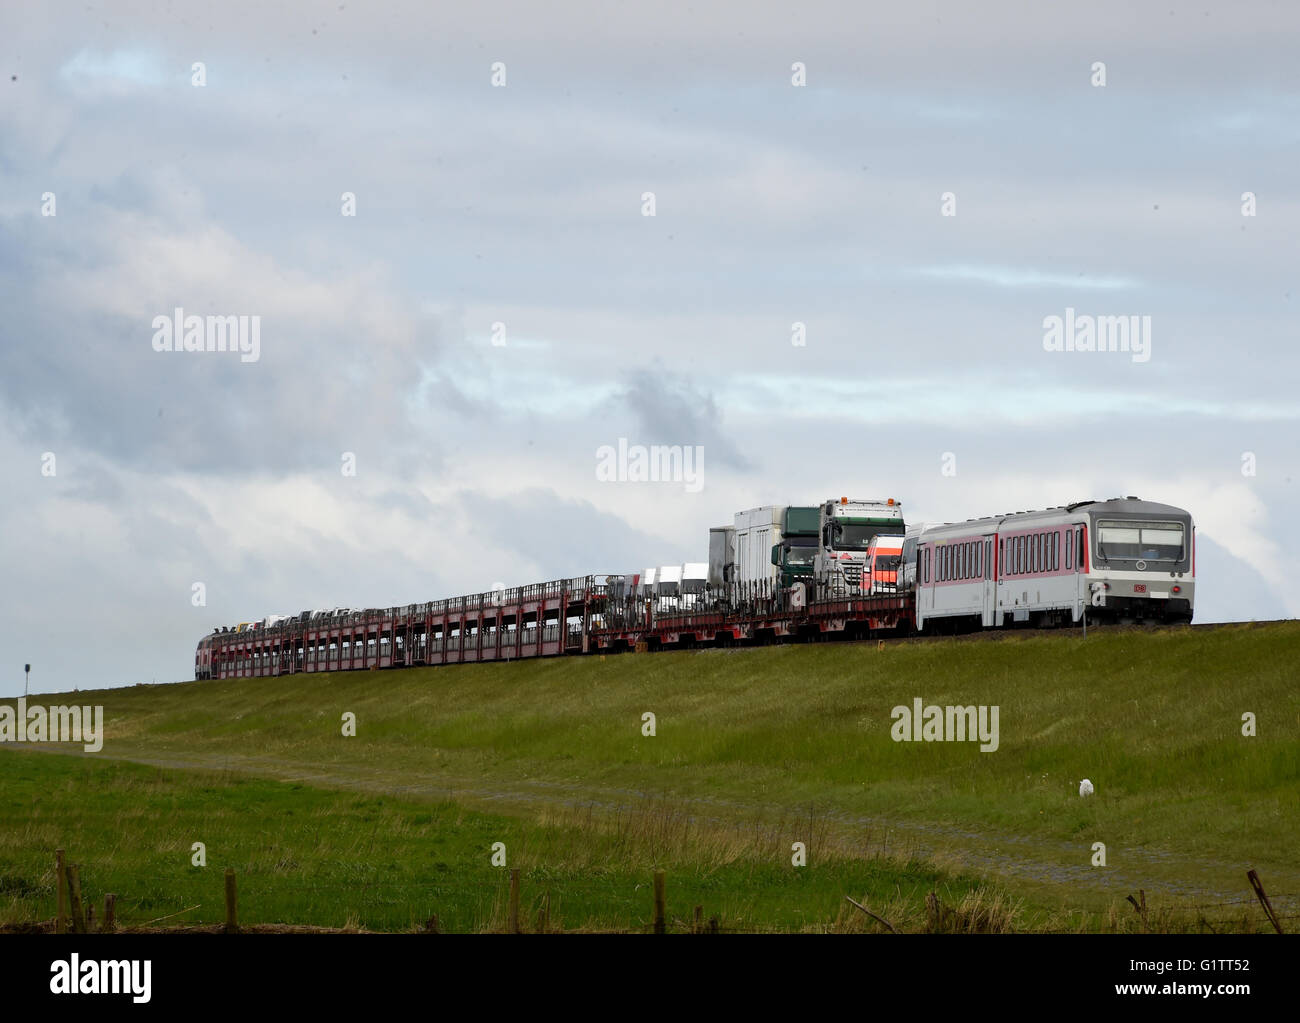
{"x": 523, "y": 204}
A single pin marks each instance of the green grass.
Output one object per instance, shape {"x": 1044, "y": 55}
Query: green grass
{"x": 760, "y": 738}
{"x": 334, "y": 859}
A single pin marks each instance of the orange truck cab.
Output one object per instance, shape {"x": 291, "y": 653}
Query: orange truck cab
{"x": 883, "y": 556}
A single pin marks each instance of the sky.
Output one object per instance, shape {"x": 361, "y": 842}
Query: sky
{"x": 864, "y": 218}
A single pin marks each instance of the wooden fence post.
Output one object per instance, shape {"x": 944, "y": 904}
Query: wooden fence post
{"x": 932, "y": 915}
{"x": 660, "y": 913}
{"x": 544, "y": 914}
{"x": 232, "y": 919}
{"x": 698, "y": 926}
{"x": 514, "y": 901}
{"x": 61, "y": 921}
{"x": 1263, "y": 899}
{"x": 107, "y": 925}
{"x": 73, "y": 871}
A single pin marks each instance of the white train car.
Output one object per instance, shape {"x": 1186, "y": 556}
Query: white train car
{"x": 1124, "y": 559}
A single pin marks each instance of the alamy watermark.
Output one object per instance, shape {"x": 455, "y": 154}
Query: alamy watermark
{"x": 181, "y": 333}
{"x": 1072, "y": 333}
{"x": 920, "y": 723}
{"x": 75, "y": 976}
{"x": 53, "y": 724}
{"x": 654, "y": 463}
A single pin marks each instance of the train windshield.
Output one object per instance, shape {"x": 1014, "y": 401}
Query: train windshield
{"x": 1140, "y": 541}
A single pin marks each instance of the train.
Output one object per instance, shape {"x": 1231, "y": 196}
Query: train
{"x": 1123, "y": 559}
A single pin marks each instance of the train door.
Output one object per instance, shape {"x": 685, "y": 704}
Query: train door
{"x": 989, "y": 617}
{"x": 926, "y": 574}
{"x": 1001, "y": 558}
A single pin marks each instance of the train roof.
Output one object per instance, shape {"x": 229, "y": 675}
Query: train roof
{"x": 1115, "y": 505}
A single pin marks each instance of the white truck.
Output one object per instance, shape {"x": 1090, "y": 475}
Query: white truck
{"x": 847, "y": 528}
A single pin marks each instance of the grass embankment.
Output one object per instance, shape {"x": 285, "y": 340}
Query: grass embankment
{"x": 754, "y": 749}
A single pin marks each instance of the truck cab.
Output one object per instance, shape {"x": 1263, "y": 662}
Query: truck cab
{"x": 796, "y": 551}
{"x": 847, "y": 528}
{"x": 884, "y": 559}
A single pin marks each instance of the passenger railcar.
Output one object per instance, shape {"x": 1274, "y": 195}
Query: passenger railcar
{"x": 1124, "y": 559}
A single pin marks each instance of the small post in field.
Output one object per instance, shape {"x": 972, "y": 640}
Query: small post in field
{"x": 73, "y": 871}
{"x": 544, "y": 914}
{"x": 1256, "y": 884}
{"x": 232, "y": 918}
{"x": 698, "y": 926}
{"x": 660, "y": 913}
{"x": 514, "y": 901}
{"x": 61, "y": 921}
{"x": 107, "y": 925}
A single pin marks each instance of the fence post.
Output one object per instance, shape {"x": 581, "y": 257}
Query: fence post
{"x": 74, "y": 897}
{"x": 232, "y": 918}
{"x": 514, "y": 901}
{"x": 698, "y": 926}
{"x": 659, "y": 902}
{"x": 110, "y": 904}
{"x": 61, "y": 920}
{"x": 1263, "y": 899}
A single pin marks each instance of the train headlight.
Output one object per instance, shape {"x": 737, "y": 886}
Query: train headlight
{"x": 1177, "y": 589}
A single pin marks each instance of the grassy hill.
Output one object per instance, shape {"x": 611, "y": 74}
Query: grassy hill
{"x": 754, "y": 749}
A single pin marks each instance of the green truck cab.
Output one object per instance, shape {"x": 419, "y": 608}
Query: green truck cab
{"x": 795, "y": 554}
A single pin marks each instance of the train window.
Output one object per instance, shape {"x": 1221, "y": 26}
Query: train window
{"x": 1020, "y": 554}
{"x": 1069, "y": 551}
{"x": 1036, "y": 554}
{"x": 988, "y": 559}
{"x": 970, "y": 560}
{"x": 1056, "y": 552}
{"x": 979, "y": 559}
{"x": 961, "y": 562}
{"x": 1078, "y": 551}
{"x": 927, "y": 564}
